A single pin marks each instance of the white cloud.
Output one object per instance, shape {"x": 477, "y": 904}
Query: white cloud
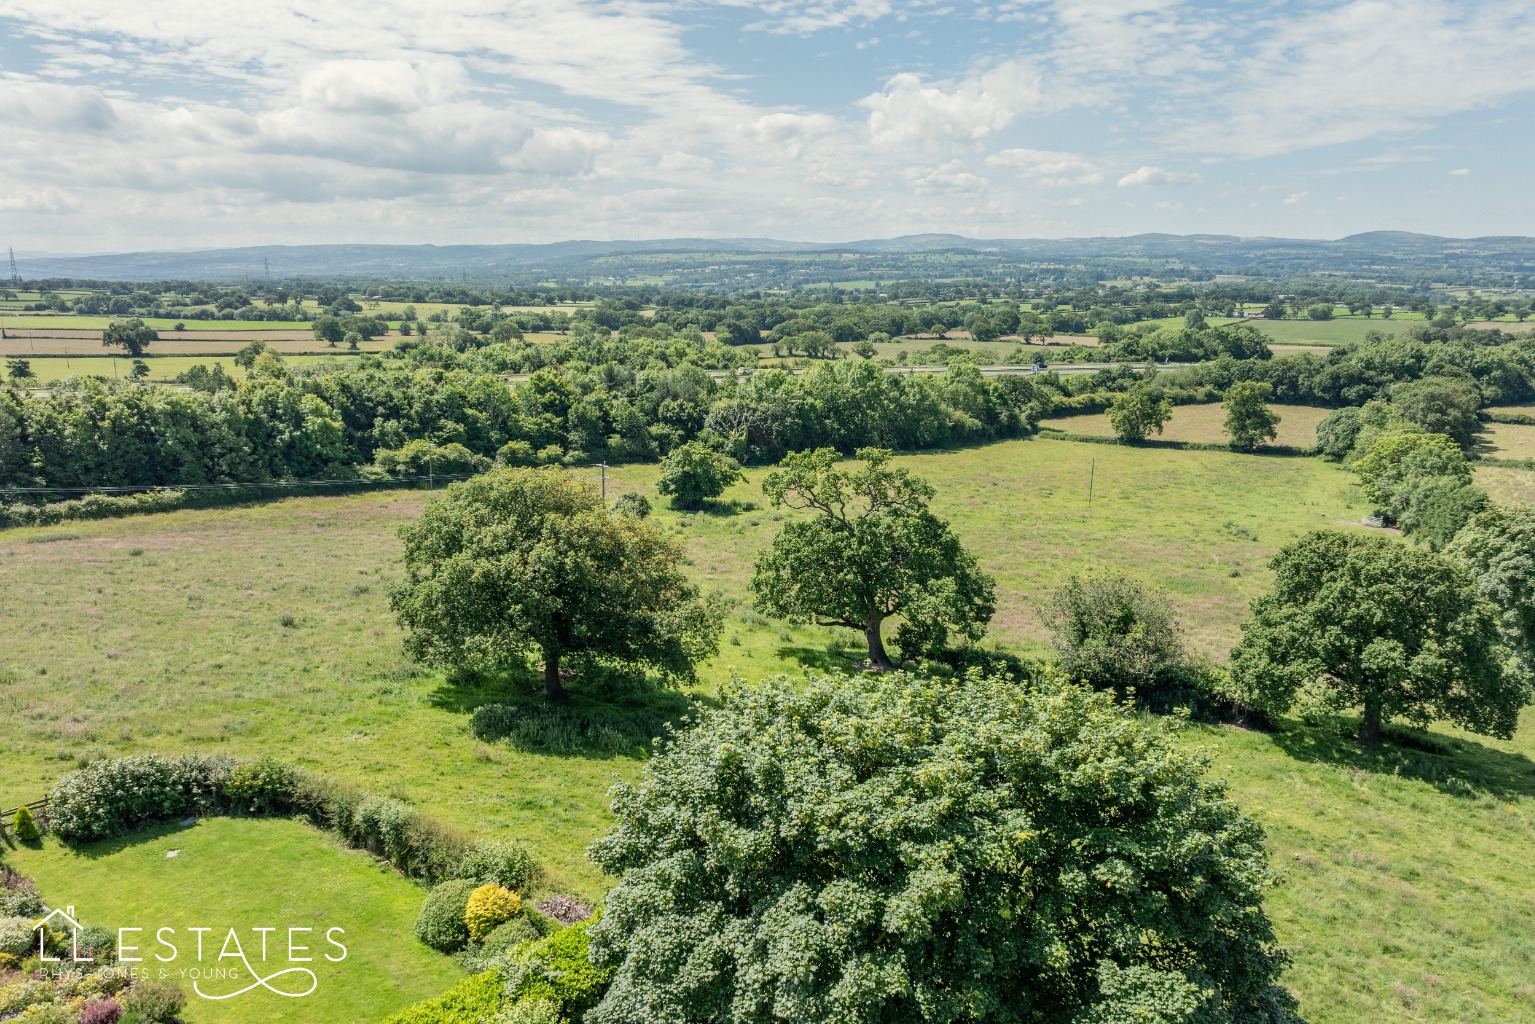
{"x": 951, "y": 177}
{"x": 1461, "y": 171}
{"x": 1295, "y": 197}
{"x": 912, "y": 112}
{"x": 1048, "y": 167}
{"x": 46, "y": 201}
{"x": 1159, "y": 177}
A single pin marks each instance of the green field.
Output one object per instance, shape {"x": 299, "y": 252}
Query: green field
{"x": 161, "y": 368}
{"x": 81, "y": 322}
{"x": 238, "y": 873}
{"x": 1205, "y": 424}
{"x": 1411, "y": 875}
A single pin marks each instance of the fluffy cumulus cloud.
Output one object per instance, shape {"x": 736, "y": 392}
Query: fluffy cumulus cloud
{"x": 1146, "y": 175}
{"x": 174, "y": 122}
{"x": 910, "y": 111}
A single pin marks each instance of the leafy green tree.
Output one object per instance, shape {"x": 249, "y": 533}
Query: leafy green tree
{"x": 1249, "y": 420}
{"x": 694, "y": 473}
{"x": 1113, "y": 634}
{"x": 518, "y": 561}
{"x": 865, "y": 349}
{"x": 1397, "y": 467}
{"x": 981, "y": 328}
{"x": 1336, "y": 434}
{"x": 816, "y": 344}
{"x": 133, "y": 335}
{"x": 1498, "y": 547}
{"x": 870, "y": 549}
{"x": 19, "y": 369}
{"x": 733, "y": 332}
{"x": 888, "y": 854}
{"x": 328, "y": 329}
{"x": 1441, "y": 405}
{"x": 138, "y": 370}
{"x": 248, "y": 354}
{"x": 1137, "y": 412}
{"x": 1320, "y": 311}
{"x": 1364, "y": 621}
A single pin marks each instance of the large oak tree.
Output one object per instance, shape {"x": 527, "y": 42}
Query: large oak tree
{"x": 1367, "y": 622}
{"x": 521, "y": 561}
{"x": 870, "y": 549}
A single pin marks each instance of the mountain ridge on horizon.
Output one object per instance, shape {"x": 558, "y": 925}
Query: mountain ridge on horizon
{"x": 392, "y": 260}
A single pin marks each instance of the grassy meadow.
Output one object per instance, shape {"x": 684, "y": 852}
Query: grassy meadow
{"x": 1205, "y": 423}
{"x": 238, "y": 873}
{"x": 161, "y": 368}
{"x": 1410, "y": 873}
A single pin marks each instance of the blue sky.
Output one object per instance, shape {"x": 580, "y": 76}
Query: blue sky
{"x": 174, "y": 123}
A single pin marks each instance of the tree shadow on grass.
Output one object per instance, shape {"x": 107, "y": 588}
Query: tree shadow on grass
{"x": 1452, "y": 765}
{"x": 822, "y": 659}
{"x": 102, "y": 848}
{"x": 610, "y": 713}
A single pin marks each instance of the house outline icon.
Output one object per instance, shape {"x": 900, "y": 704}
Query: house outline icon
{"x": 68, "y": 914}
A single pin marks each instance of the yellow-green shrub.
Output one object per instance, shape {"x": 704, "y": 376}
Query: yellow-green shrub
{"x": 490, "y": 905}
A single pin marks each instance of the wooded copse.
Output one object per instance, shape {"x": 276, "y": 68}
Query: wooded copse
{"x": 632, "y": 396}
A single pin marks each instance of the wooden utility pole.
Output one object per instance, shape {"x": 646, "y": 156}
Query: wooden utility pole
{"x": 1092, "y": 473}
{"x": 603, "y": 466}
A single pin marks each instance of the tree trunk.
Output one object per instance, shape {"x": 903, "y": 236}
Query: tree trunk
{"x": 879, "y": 661}
{"x": 552, "y": 688}
{"x": 1369, "y": 725}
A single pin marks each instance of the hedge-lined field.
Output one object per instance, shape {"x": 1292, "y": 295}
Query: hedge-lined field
{"x": 266, "y": 630}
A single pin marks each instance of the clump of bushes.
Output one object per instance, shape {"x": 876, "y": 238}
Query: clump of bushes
{"x": 92, "y": 506}
{"x": 113, "y": 797}
{"x": 490, "y": 905}
{"x": 556, "y": 973}
{"x": 472, "y": 1001}
{"x": 18, "y": 896}
{"x": 154, "y": 1001}
{"x": 441, "y": 923}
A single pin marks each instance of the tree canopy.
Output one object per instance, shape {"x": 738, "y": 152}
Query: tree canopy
{"x": 694, "y": 473}
{"x": 132, "y": 335}
{"x": 870, "y": 549}
{"x": 520, "y": 561}
{"x": 1362, "y": 621}
{"x": 1249, "y": 420}
{"x": 1137, "y": 412}
{"x": 885, "y": 854}
{"x": 1498, "y": 546}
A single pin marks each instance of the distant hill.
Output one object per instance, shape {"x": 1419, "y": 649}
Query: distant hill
{"x": 590, "y": 259}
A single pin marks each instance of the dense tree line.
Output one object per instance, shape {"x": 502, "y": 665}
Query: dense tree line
{"x": 278, "y": 424}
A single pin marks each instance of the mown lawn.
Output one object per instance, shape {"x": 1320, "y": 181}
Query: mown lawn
{"x": 1411, "y": 876}
{"x": 244, "y": 874}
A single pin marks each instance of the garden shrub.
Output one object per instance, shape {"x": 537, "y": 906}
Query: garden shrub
{"x": 530, "y": 1011}
{"x": 98, "y": 942}
{"x": 543, "y": 923}
{"x": 908, "y": 849}
{"x": 509, "y": 934}
{"x": 488, "y": 906}
{"x": 262, "y": 786}
{"x": 18, "y": 896}
{"x": 501, "y": 861}
{"x": 46, "y": 1013}
{"x": 101, "y": 1011}
{"x": 113, "y": 797}
{"x": 24, "y": 828}
{"x": 1112, "y": 633}
{"x": 154, "y": 1001}
{"x": 632, "y": 504}
{"x": 559, "y": 969}
{"x": 474, "y": 1000}
{"x": 441, "y": 922}
{"x": 16, "y": 935}
{"x": 9, "y": 962}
